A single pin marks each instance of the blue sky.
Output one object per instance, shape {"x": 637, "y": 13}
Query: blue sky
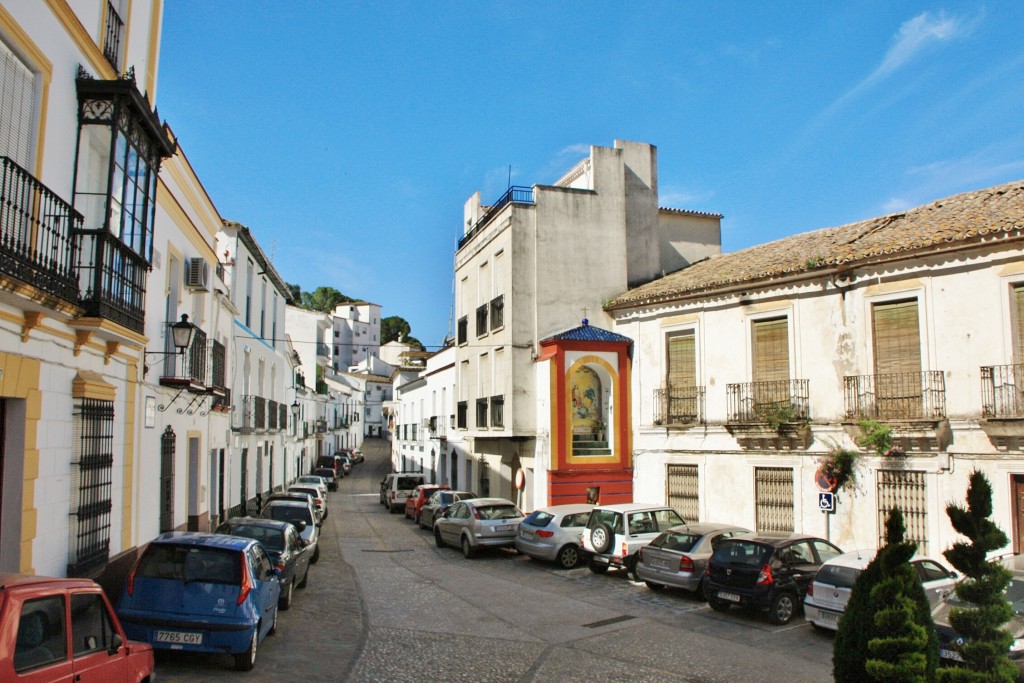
{"x": 348, "y": 135}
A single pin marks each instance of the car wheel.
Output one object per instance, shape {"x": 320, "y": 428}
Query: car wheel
{"x": 285, "y": 601}
{"x": 655, "y": 586}
{"x": 273, "y": 624}
{"x": 782, "y": 608}
{"x": 601, "y": 538}
{"x": 437, "y": 538}
{"x": 598, "y": 568}
{"x": 245, "y": 661}
{"x": 305, "y": 578}
{"x": 568, "y": 557}
{"x": 467, "y": 549}
{"x": 316, "y": 555}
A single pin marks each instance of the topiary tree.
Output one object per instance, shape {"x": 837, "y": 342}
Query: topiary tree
{"x": 886, "y": 632}
{"x": 986, "y": 644}
{"x": 902, "y": 644}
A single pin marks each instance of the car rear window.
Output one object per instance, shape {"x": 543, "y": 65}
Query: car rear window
{"x": 288, "y": 513}
{"x": 610, "y": 517}
{"x": 742, "y": 553}
{"x": 834, "y": 575}
{"x": 539, "y": 518}
{"x": 325, "y": 471}
{"x": 272, "y": 539}
{"x": 679, "y": 541}
{"x": 498, "y": 512}
{"x": 301, "y": 489}
{"x": 408, "y": 482}
{"x": 190, "y": 563}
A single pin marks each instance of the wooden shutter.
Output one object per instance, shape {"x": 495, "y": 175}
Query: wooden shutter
{"x": 1018, "y": 324}
{"x": 771, "y": 350}
{"x": 17, "y": 104}
{"x": 897, "y": 338}
{"x": 682, "y": 360}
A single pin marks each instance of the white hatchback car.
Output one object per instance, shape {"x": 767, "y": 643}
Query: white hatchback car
{"x": 830, "y": 590}
{"x": 615, "y": 533}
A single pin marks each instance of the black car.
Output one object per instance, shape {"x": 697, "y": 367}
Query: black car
{"x": 765, "y": 572}
{"x": 284, "y": 546}
{"x": 438, "y": 502}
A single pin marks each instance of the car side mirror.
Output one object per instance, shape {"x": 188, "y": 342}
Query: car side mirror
{"x": 300, "y": 525}
{"x": 115, "y": 644}
{"x": 954, "y": 575}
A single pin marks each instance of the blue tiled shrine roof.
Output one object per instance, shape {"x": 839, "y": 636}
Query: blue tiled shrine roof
{"x": 587, "y": 332}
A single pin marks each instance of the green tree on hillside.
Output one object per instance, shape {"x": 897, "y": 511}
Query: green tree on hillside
{"x": 396, "y": 328}
{"x": 986, "y": 644}
{"x": 324, "y": 299}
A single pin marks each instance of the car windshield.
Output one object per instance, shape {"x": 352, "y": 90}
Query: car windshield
{"x": 498, "y": 512}
{"x": 288, "y": 513}
{"x": 1014, "y": 595}
{"x": 272, "y": 539}
{"x": 539, "y": 518}
{"x": 742, "y": 553}
{"x": 190, "y": 563}
{"x": 679, "y": 541}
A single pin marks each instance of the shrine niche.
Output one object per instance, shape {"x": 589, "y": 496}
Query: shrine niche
{"x": 587, "y": 417}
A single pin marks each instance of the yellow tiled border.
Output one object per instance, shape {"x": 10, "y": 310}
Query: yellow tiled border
{"x": 20, "y": 380}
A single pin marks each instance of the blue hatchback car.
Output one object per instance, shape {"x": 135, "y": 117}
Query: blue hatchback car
{"x": 202, "y": 593}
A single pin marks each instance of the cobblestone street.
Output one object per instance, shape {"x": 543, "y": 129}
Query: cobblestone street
{"x": 384, "y": 604}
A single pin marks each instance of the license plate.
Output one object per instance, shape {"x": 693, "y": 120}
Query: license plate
{"x": 830, "y": 617}
{"x": 951, "y": 654}
{"x": 179, "y": 637}
{"x": 731, "y": 597}
{"x": 659, "y": 563}
{"x": 503, "y": 527}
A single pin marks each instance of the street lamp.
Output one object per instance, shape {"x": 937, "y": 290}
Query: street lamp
{"x": 295, "y": 416}
{"x": 181, "y": 336}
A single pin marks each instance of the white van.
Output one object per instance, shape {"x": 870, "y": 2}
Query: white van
{"x": 398, "y": 486}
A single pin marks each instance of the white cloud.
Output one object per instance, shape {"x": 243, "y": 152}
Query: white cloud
{"x": 680, "y": 198}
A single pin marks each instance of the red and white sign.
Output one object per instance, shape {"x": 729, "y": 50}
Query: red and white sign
{"x": 520, "y": 479}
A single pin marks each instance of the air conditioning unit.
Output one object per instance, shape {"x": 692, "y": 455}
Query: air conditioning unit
{"x": 425, "y": 423}
{"x": 197, "y": 274}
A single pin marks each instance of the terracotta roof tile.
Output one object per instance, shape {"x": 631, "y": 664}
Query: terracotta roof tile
{"x": 964, "y": 217}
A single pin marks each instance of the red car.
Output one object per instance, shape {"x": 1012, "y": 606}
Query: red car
{"x": 65, "y": 630}
{"x": 420, "y": 494}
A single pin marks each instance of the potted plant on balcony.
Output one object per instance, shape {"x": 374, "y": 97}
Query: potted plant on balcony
{"x": 877, "y": 437}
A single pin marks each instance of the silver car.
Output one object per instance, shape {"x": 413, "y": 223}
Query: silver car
{"x": 553, "y": 534}
{"x": 478, "y": 523}
{"x": 678, "y": 556}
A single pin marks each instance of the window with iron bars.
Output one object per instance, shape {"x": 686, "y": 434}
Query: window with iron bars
{"x": 498, "y": 311}
{"x": 461, "y": 414}
{"x": 91, "y": 484}
{"x": 463, "y": 331}
{"x": 481, "y": 320}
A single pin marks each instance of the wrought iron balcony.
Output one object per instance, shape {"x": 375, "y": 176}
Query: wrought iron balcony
{"x": 438, "y": 428}
{"x": 253, "y": 413}
{"x": 679, "y": 405}
{"x": 272, "y": 415}
{"x": 113, "y": 279}
{"x": 897, "y": 396}
{"x": 38, "y": 229}
{"x": 189, "y": 368}
{"x": 772, "y": 402}
{"x": 514, "y": 195}
{"x": 1002, "y": 391}
{"x": 323, "y": 350}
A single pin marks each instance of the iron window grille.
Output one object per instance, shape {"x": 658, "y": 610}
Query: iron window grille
{"x": 679, "y": 405}
{"x": 167, "y": 450}
{"x": 481, "y": 320}
{"x": 498, "y": 312}
{"x": 112, "y": 37}
{"x": 463, "y": 330}
{"x": 91, "y": 485}
{"x": 682, "y": 490}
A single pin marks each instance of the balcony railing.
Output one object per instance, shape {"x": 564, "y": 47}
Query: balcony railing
{"x": 37, "y": 233}
{"x": 1002, "y": 390}
{"x": 113, "y": 279}
{"x": 679, "y": 405}
{"x": 272, "y": 414}
{"x": 253, "y": 413}
{"x": 190, "y": 366}
{"x": 772, "y": 402}
{"x": 112, "y": 37}
{"x": 323, "y": 350}
{"x": 897, "y": 396}
{"x": 218, "y": 366}
{"x": 438, "y": 427}
{"x": 514, "y": 195}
